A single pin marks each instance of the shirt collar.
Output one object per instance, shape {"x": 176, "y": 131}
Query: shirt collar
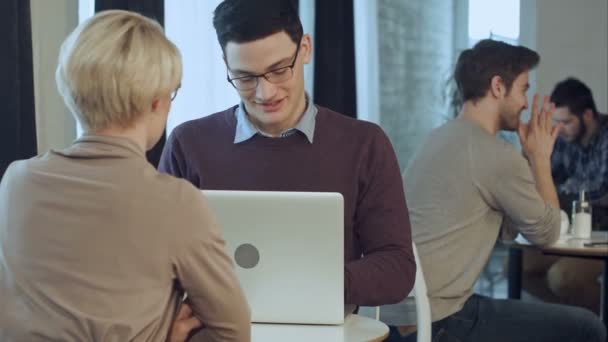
{"x": 97, "y": 146}
{"x": 245, "y": 129}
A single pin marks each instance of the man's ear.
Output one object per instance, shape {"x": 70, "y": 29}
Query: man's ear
{"x": 588, "y": 115}
{"x": 306, "y": 48}
{"x": 497, "y": 87}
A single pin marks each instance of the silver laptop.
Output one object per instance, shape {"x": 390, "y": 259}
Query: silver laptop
{"x": 288, "y": 249}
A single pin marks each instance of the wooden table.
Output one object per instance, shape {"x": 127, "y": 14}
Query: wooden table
{"x": 355, "y": 329}
{"x": 567, "y": 246}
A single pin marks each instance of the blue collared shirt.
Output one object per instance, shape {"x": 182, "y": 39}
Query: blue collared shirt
{"x": 576, "y": 167}
{"x": 245, "y": 129}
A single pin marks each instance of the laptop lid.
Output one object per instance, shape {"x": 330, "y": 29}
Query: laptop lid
{"x": 288, "y": 249}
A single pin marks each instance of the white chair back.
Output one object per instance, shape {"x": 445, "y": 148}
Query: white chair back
{"x": 423, "y": 307}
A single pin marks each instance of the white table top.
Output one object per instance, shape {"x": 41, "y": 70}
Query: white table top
{"x": 355, "y": 329}
{"x": 570, "y": 246}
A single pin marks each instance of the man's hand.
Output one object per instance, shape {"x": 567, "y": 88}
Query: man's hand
{"x": 538, "y": 136}
{"x": 537, "y": 139}
{"x": 185, "y": 322}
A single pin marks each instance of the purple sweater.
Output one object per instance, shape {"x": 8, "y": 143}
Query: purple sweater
{"x": 352, "y": 157}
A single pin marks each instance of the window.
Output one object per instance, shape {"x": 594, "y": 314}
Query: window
{"x": 367, "y": 68}
{"x": 86, "y": 9}
{"x": 204, "y": 91}
{"x": 496, "y": 19}
{"x": 499, "y": 20}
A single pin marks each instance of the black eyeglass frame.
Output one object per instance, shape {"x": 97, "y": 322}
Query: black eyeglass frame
{"x": 174, "y": 93}
{"x": 265, "y": 75}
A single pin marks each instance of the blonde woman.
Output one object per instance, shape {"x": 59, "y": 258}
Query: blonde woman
{"x": 95, "y": 244}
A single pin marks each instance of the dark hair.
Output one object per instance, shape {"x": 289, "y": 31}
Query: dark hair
{"x": 477, "y": 66}
{"x": 242, "y": 21}
{"x": 575, "y": 94}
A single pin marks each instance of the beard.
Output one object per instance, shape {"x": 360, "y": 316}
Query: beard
{"x": 508, "y": 120}
{"x": 581, "y": 131}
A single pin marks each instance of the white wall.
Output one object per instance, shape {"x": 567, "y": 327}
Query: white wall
{"x": 52, "y": 21}
{"x": 572, "y": 40}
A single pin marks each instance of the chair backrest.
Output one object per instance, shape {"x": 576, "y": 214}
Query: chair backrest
{"x": 423, "y": 307}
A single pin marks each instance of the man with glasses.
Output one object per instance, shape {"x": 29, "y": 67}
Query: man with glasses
{"x": 277, "y": 140}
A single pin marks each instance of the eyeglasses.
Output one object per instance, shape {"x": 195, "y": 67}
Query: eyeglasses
{"x": 174, "y": 93}
{"x": 274, "y": 76}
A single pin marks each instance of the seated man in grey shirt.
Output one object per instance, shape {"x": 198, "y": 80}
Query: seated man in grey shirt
{"x": 95, "y": 244}
{"x": 464, "y": 185}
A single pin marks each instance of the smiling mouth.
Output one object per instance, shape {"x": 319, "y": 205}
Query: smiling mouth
{"x": 271, "y": 106}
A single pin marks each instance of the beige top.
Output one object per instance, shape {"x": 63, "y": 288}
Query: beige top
{"x": 462, "y": 185}
{"x": 96, "y": 245}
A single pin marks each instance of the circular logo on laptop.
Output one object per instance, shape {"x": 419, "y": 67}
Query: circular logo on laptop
{"x": 247, "y": 256}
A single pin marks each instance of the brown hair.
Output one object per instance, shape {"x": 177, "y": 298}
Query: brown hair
{"x": 477, "y": 66}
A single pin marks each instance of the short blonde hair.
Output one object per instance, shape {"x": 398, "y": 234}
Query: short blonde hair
{"x": 112, "y": 66}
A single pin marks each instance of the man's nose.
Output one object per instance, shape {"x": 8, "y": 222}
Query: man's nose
{"x": 265, "y": 90}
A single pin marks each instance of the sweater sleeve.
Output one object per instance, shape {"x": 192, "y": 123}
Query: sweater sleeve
{"x": 206, "y": 272}
{"x": 386, "y": 272}
{"x": 506, "y": 182}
